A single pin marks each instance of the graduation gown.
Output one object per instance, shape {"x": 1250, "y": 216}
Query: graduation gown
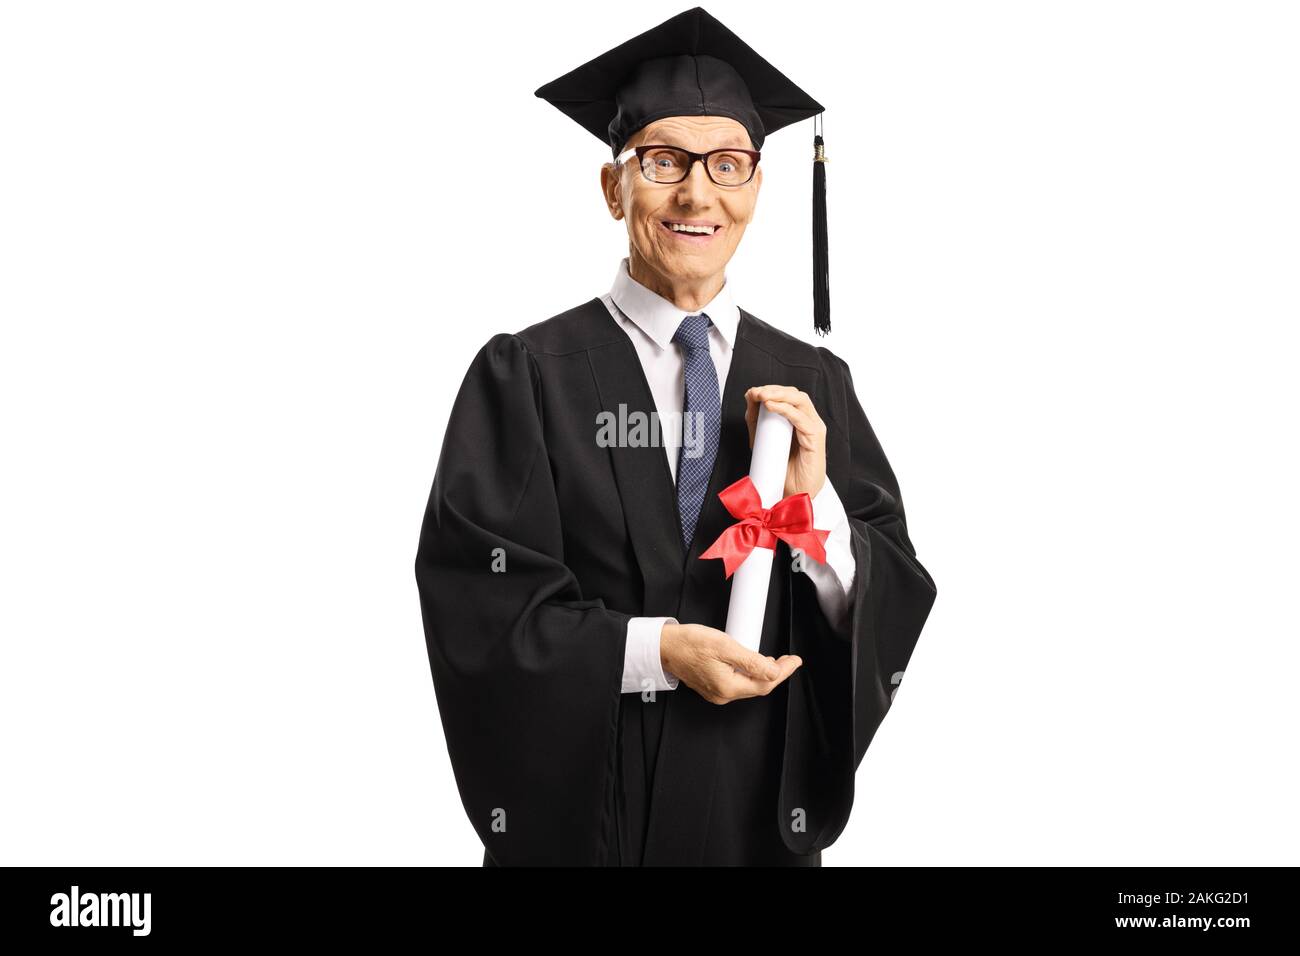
{"x": 539, "y": 542}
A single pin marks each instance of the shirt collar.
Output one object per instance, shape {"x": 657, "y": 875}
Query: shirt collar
{"x": 659, "y": 318}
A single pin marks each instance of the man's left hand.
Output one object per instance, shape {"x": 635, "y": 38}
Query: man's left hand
{"x": 807, "y": 470}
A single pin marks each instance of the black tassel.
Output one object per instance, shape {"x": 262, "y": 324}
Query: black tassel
{"x": 821, "y": 260}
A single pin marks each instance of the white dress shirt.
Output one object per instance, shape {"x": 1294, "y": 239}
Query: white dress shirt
{"x": 650, "y": 321}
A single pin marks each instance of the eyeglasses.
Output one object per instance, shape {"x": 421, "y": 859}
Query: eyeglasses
{"x": 670, "y": 164}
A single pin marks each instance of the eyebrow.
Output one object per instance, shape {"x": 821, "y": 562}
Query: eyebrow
{"x": 729, "y": 144}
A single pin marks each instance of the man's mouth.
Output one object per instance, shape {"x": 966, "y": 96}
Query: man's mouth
{"x": 690, "y": 232}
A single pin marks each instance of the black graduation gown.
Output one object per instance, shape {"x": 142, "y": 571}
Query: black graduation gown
{"x": 554, "y": 764}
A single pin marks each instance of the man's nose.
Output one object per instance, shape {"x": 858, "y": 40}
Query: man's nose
{"x": 697, "y": 188}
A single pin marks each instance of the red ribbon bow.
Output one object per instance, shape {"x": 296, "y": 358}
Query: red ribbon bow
{"x": 790, "y": 519}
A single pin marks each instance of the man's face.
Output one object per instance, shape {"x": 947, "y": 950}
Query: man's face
{"x": 647, "y": 207}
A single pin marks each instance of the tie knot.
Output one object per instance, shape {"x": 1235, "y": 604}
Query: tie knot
{"x": 693, "y": 333}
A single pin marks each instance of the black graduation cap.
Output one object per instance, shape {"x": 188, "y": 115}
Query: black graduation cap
{"x": 692, "y": 65}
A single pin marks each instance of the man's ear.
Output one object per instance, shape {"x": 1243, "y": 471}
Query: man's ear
{"x": 610, "y": 187}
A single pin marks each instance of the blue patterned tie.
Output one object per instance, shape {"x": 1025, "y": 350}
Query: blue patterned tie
{"x": 701, "y": 422}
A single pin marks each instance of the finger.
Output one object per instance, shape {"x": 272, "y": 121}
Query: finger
{"x": 799, "y": 419}
{"x": 739, "y": 686}
{"x": 796, "y": 397}
{"x": 756, "y": 395}
{"x": 755, "y": 665}
{"x": 731, "y": 651}
{"x": 803, "y": 401}
{"x": 785, "y": 667}
{"x": 785, "y": 393}
{"x": 762, "y": 668}
{"x": 788, "y": 393}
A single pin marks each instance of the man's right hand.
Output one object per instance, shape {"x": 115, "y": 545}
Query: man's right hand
{"x": 717, "y": 667}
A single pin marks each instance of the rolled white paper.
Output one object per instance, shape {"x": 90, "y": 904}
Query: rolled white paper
{"x": 767, "y": 467}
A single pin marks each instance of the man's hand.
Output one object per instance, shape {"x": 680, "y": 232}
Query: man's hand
{"x": 807, "y": 470}
{"x": 717, "y": 667}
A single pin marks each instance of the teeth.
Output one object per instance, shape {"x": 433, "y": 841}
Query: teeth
{"x": 678, "y": 227}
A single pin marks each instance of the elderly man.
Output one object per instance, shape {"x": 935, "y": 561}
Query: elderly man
{"x": 594, "y": 709}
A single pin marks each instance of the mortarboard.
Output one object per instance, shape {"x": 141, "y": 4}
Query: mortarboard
{"x": 692, "y": 65}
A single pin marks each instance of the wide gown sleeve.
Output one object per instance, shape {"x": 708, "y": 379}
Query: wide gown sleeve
{"x": 526, "y": 672}
{"x": 840, "y": 695}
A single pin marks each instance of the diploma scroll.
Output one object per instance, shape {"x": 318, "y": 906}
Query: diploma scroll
{"x": 767, "y": 468}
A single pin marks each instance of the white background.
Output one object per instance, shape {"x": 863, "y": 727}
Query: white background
{"x": 247, "y": 251}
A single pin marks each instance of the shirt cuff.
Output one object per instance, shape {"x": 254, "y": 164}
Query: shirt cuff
{"x": 834, "y": 579}
{"x": 642, "y": 665}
